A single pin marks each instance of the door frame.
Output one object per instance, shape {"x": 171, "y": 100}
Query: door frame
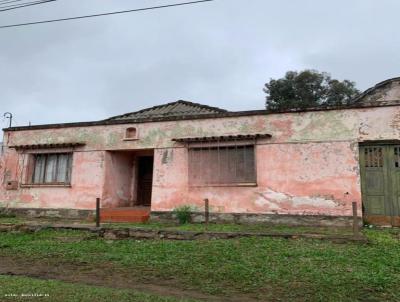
{"x": 390, "y": 179}
{"x": 139, "y": 202}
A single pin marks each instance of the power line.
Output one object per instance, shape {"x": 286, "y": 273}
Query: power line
{"x": 9, "y": 4}
{"x": 9, "y": 1}
{"x": 16, "y": 6}
{"x": 105, "y": 14}
{"x": 12, "y": 3}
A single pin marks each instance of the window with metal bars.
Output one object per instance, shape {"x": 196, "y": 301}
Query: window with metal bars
{"x": 373, "y": 157}
{"x": 225, "y": 165}
{"x": 52, "y": 168}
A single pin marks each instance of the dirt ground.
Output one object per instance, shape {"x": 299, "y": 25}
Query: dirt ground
{"x": 106, "y": 275}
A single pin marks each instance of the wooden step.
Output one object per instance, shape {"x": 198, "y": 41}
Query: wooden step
{"x": 124, "y": 215}
{"x": 125, "y": 219}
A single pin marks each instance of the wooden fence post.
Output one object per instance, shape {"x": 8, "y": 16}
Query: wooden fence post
{"x": 97, "y": 212}
{"x": 355, "y": 220}
{"x": 206, "y": 211}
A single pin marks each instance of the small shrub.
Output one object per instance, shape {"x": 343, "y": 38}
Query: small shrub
{"x": 6, "y": 213}
{"x": 183, "y": 214}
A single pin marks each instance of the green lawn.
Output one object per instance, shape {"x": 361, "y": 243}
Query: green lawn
{"x": 11, "y": 220}
{"x": 267, "y": 268}
{"x": 197, "y": 227}
{"x": 231, "y": 227}
{"x": 29, "y": 289}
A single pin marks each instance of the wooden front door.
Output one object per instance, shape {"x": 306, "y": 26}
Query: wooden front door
{"x": 380, "y": 184}
{"x": 145, "y": 180}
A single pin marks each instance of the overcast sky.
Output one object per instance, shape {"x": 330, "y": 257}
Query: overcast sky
{"x": 217, "y": 53}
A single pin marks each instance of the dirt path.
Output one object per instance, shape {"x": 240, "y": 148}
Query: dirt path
{"x": 106, "y": 275}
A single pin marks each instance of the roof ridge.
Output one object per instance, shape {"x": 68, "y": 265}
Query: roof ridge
{"x": 201, "y": 105}
{"x": 174, "y": 104}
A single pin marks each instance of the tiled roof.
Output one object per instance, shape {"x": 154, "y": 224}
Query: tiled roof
{"x": 175, "y": 109}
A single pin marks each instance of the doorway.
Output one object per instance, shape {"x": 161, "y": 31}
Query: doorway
{"x": 144, "y": 180}
{"x": 380, "y": 183}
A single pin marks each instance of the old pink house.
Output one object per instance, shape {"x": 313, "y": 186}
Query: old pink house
{"x": 297, "y": 167}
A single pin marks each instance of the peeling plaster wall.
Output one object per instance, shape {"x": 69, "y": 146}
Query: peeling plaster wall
{"x": 119, "y": 180}
{"x": 310, "y": 178}
{"x": 332, "y": 125}
{"x": 170, "y": 179}
{"x": 86, "y": 184}
{"x": 309, "y": 166}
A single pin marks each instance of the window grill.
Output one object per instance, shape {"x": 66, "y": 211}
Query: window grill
{"x": 221, "y": 165}
{"x": 373, "y": 157}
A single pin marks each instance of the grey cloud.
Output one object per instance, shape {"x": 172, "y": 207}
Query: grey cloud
{"x": 219, "y": 53}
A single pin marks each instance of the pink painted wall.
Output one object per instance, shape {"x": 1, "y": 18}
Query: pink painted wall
{"x": 309, "y": 166}
{"x": 86, "y": 184}
{"x": 170, "y": 179}
{"x": 308, "y": 178}
{"x": 118, "y": 189}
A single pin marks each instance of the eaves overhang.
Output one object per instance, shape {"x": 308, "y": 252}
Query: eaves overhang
{"x": 222, "y": 138}
{"x": 47, "y": 146}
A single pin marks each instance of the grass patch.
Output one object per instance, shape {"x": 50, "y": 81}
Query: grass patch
{"x": 231, "y": 227}
{"x": 16, "y": 289}
{"x": 5, "y": 213}
{"x": 15, "y": 220}
{"x": 271, "y": 268}
{"x": 199, "y": 227}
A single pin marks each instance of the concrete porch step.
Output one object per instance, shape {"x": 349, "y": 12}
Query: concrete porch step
{"x": 125, "y": 214}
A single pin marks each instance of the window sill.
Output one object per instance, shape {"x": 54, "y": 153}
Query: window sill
{"x": 246, "y": 184}
{"x": 45, "y": 185}
{"x": 127, "y": 139}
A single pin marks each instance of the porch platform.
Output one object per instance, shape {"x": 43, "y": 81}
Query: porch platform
{"x": 131, "y": 214}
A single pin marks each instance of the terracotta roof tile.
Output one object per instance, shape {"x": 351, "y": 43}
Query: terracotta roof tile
{"x": 175, "y": 109}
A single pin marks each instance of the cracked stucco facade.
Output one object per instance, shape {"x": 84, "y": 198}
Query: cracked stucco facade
{"x": 310, "y": 166}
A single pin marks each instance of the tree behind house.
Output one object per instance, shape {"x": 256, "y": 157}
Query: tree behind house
{"x": 307, "y": 89}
